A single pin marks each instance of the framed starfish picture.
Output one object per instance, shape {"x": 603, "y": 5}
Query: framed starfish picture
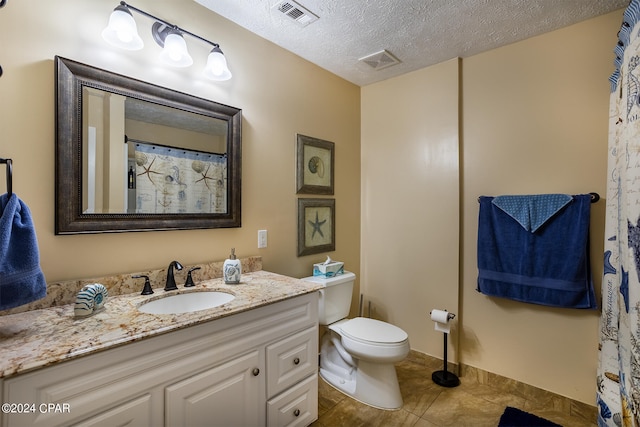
{"x": 314, "y": 165}
{"x": 316, "y": 226}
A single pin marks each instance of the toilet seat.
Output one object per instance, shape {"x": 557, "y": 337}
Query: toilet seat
{"x": 372, "y": 340}
{"x": 371, "y": 331}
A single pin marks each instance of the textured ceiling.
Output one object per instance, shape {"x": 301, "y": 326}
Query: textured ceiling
{"x": 418, "y": 33}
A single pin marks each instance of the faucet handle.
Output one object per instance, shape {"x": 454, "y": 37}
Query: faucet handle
{"x": 147, "y": 285}
{"x": 189, "y": 283}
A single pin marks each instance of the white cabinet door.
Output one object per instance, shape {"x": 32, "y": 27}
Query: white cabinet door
{"x": 227, "y": 395}
{"x": 136, "y": 412}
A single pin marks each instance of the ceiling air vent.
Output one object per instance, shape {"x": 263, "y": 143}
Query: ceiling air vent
{"x": 380, "y": 60}
{"x": 296, "y": 12}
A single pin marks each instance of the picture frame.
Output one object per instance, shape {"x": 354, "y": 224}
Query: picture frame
{"x": 316, "y": 226}
{"x": 315, "y": 160}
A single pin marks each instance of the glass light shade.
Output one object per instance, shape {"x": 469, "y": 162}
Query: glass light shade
{"x": 175, "y": 51}
{"x": 216, "y": 68}
{"x": 122, "y": 31}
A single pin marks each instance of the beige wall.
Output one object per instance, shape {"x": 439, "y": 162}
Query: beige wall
{"x": 280, "y": 95}
{"x": 535, "y": 120}
{"x": 410, "y": 199}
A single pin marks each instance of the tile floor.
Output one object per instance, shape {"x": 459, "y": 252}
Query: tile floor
{"x": 472, "y": 403}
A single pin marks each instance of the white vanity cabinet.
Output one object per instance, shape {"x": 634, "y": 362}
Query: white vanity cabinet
{"x": 254, "y": 368}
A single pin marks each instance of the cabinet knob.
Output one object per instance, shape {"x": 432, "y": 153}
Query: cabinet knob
{"x": 296, "y": 361}
{"x": 296, "y": 412}
{"x": 255, "y": 372}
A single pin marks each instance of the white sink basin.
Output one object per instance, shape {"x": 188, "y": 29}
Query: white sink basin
{"x": 186, "y": 303}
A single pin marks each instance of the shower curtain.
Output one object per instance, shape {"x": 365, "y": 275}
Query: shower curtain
{"x": 172, "y": 180}
{"x": 618, "y": 380}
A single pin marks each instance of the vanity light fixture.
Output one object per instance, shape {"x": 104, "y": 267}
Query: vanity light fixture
{"x": 122, "y": 32}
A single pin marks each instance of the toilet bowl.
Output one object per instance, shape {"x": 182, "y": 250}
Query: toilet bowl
{"x": 360, "y": 363}
{"x": 357, "y": 355}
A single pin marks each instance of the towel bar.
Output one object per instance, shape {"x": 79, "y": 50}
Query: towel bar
{"x": 9, "y": 174}
{"x": 595, "y": 197}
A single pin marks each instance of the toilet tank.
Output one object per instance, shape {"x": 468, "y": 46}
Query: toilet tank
{"x": 335, "y": 298}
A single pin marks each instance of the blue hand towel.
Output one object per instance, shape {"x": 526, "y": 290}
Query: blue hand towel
{"x": 532, "y": 212}
{"x": 549, "y": 266}
{"x": 21, "y": 279}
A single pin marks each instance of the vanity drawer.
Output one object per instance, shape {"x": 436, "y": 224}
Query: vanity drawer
{"x": 291, "y": 359}
{"x": 295, "y": 407}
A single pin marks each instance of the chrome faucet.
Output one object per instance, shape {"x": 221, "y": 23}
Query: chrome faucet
{"x": 171, "y": 281}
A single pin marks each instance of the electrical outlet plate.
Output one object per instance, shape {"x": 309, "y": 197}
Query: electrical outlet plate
{"x": 262, "y": 239}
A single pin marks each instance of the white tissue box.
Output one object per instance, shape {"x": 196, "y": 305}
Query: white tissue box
{"x": 328, "y": 270}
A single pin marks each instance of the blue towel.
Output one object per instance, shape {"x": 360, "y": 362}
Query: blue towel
{"x": 21, "y": 279}
{"x": 549, "y": 266}
{"x": 532, "y": 212}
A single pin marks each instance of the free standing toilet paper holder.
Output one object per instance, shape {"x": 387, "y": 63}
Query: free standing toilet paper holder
{"x": 445, "y": 378}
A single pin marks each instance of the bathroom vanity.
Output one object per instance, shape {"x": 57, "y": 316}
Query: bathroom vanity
{"x": 250, "y": 362}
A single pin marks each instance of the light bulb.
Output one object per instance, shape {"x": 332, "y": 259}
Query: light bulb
{"x": 175, "y": 51}
{"x": 122, "y": 31}
{"x": 216, "y": 68}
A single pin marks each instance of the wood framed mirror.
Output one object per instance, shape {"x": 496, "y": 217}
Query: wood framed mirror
{"x": 134, "y": 156}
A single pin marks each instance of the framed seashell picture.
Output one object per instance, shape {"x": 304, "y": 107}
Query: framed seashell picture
{"x": 314, "y": 167}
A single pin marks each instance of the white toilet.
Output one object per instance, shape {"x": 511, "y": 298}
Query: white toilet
{"x": 357, "y": 355}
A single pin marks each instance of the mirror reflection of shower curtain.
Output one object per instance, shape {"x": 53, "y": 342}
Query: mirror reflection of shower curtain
{"x": 618, "y": 380}
{"x": 174, "y": 180}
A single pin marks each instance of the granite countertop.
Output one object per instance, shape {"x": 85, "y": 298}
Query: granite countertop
{"x": 38, "y": 338}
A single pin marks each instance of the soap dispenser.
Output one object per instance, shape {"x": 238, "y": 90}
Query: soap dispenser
{"x": 232, "y": 269}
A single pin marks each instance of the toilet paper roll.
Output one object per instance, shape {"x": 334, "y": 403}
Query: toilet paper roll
{"x": 441, "y": 317}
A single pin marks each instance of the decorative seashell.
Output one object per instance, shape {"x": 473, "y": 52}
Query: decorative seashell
{"x": 90, "y": 299}
{"x": 84, "y": 305}
{"x": 316, "y": 165}
{"x": 101, "y": 295}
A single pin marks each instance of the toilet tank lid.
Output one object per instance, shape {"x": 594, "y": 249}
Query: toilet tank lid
{"x": 330, "y": 281}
